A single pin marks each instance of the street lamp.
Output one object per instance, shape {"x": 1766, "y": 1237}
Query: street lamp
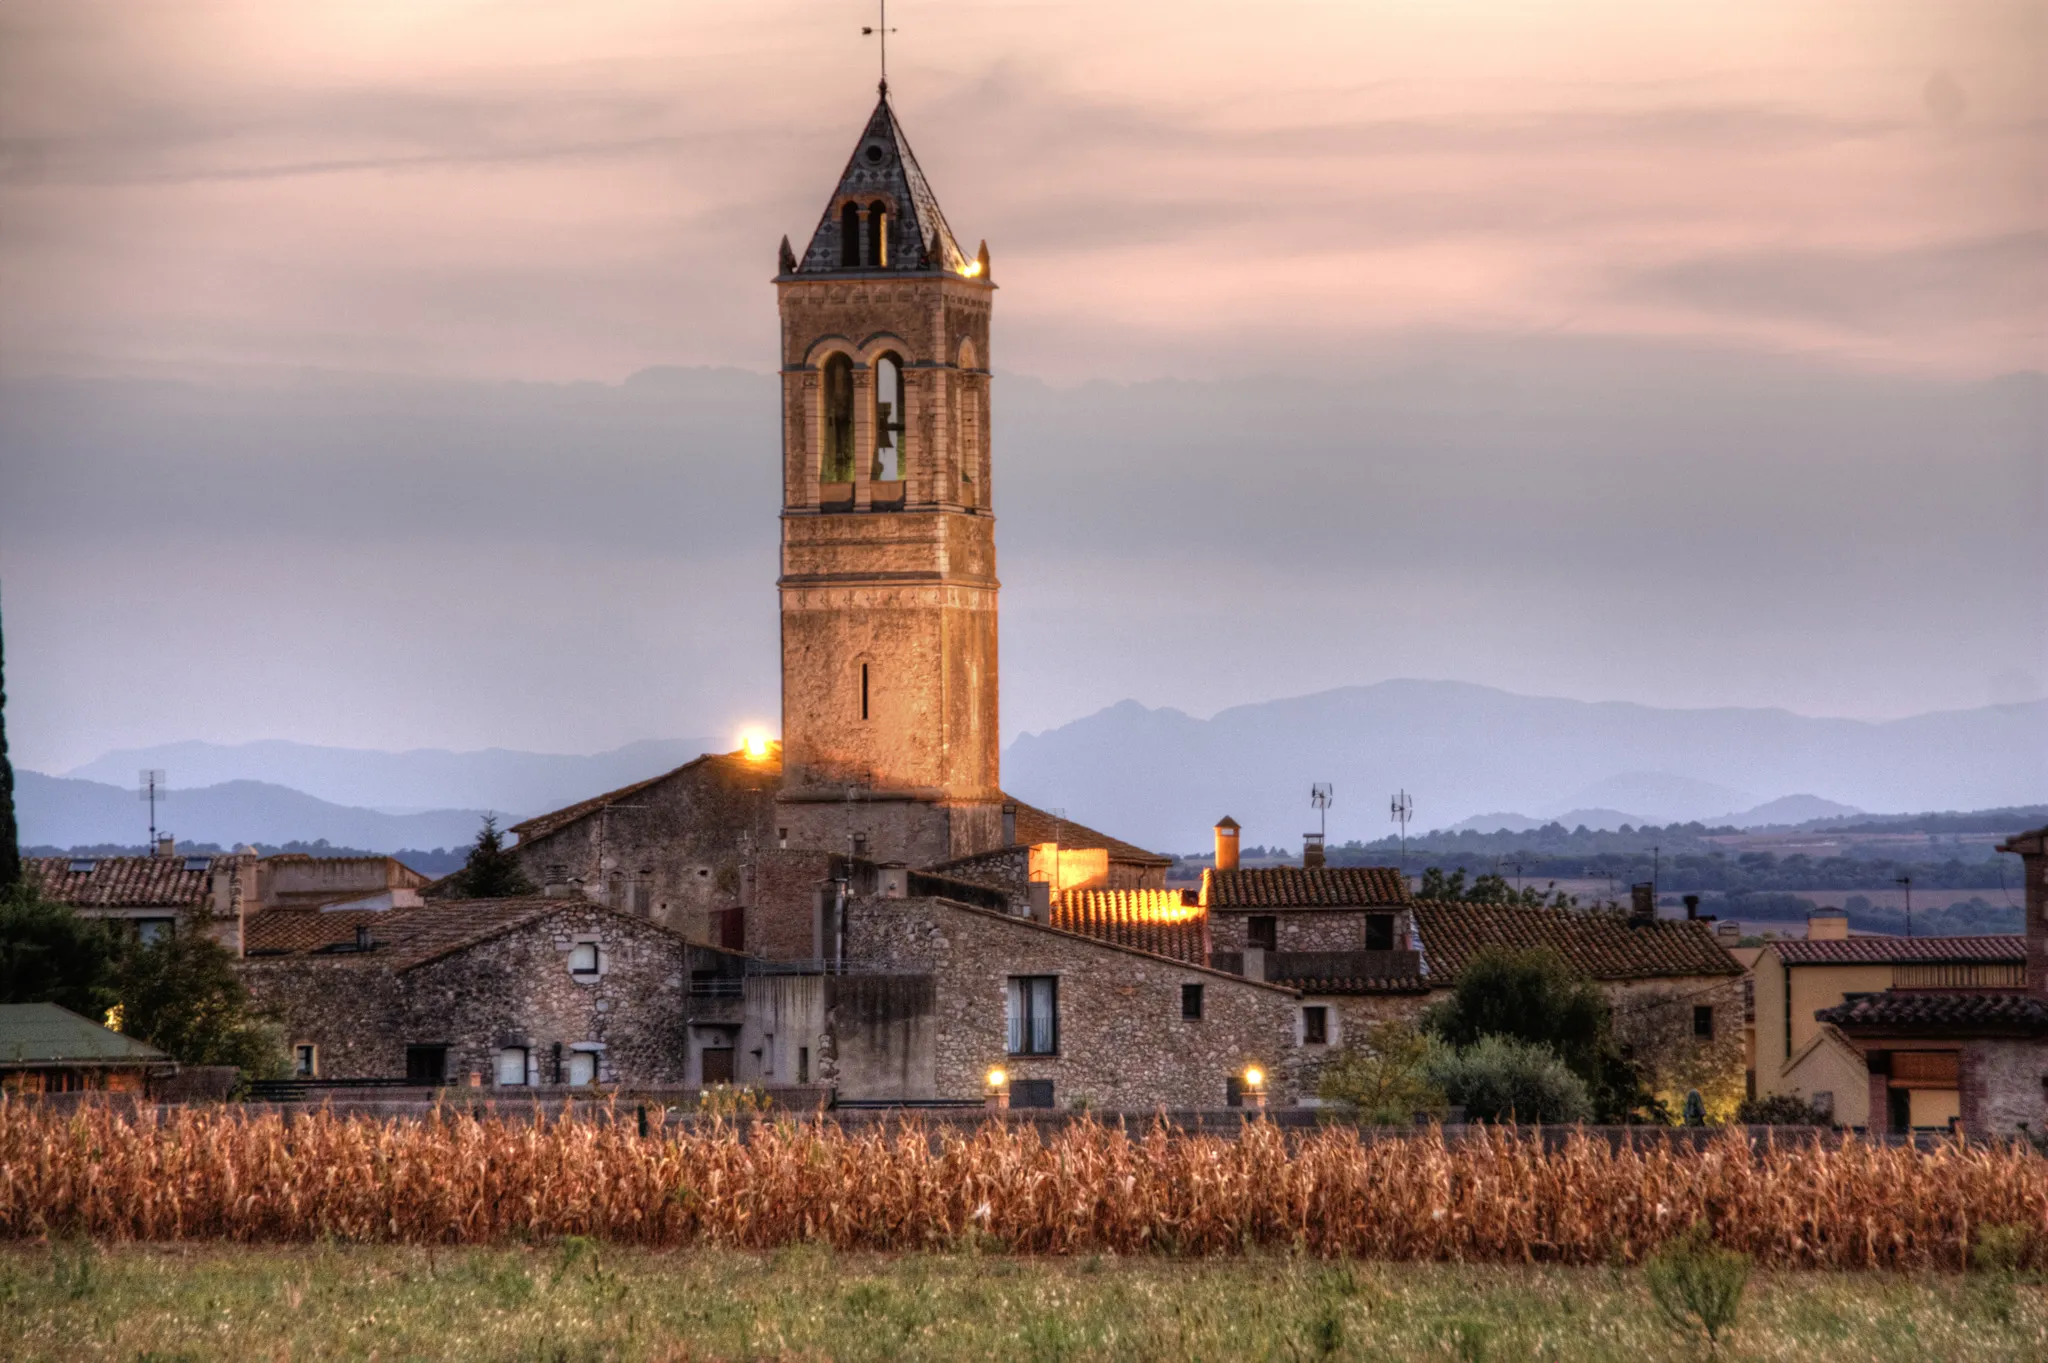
{"x": 996, "y": 1090}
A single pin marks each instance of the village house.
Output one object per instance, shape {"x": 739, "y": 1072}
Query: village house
{"x": 48, "y": 1049}
{"x": 1947, "y": 1041}
{"x": 508, "y": 993}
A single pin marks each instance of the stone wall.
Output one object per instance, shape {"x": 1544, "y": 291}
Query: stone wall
{"x": 1301, "y": 929}
{"x": 1122, "y": 1040}
{"x": 2003, "y": 1084}
{"x": 515, "y": 990}
{"x": 677, "y": 852}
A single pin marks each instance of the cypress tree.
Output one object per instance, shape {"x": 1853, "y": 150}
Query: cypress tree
{"x": 10, "y": 833}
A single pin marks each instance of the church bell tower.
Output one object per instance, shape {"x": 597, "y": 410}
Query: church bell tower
{"x": 888, "y": 580}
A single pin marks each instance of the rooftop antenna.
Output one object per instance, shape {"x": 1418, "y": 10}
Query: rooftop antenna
{"x": 1402, "y": 809}
{"x": 881, "y": 29}
{"x": 1319, "y": 796}
{"x": 1906, "y": 882}
{"x": 150, "y": 786}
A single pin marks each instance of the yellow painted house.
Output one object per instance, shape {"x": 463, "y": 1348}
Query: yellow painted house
{"x": 1799, "y": 1055}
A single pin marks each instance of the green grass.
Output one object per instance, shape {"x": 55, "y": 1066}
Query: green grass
{"x": 580, "y": 1301}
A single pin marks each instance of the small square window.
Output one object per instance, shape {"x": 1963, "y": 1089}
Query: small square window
{"x": 1315, "y": 1025}
{"x": 583, "y": 958}
{"x": 1191, "y": 1002}
{"x": 1703, "y": 1022}
{"x": 305, "y": 1061}
{"x": 512, "y": 1066}
{"x": 1379, "y": 932}
{"x": 1262, "y": 931}
{"x": 426, "y": 1065}
{"x": 582, "y": 1068}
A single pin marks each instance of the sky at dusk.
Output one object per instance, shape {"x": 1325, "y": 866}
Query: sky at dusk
{"x": 1647, "y": 351}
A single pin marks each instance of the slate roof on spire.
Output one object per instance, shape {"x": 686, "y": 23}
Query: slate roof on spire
{"x": 883, "y": 167}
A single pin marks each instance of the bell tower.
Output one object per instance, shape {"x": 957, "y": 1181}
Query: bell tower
{"x": 888, "y": 581}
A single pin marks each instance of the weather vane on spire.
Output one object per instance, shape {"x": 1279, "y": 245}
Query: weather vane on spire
{"x": 882, "y": 28}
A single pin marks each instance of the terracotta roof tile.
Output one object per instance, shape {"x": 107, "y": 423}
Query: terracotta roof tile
{"x": 1352, "y": 984}
{"x": 124, "y": 882}
{"x": 1034, "y": 825}
{"x": 1163, "y": 922}
{"x": 403, "y": 938}
{"x": 1597, "y": 943}
{"x": 1912, "y": 1012}
{"x": 1295, "y": 887}
{"x": 1896, "y": 950}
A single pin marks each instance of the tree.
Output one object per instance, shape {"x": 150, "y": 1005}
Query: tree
{"x": 492, "y": 870}
{"x": 48, "y": 954}
{"x": 1499, "y": 1079}
{"x": 1491, "y": 888}
{"x": 1386, "y": 1079}
{"x": 181, "y": 994}
{"x": 1536, "y": 996}
{"x": 10, "y": 832}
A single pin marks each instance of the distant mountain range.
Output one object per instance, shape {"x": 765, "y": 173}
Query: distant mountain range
{"x": 59, "y": 812}
{"x": 1160, "y": 777}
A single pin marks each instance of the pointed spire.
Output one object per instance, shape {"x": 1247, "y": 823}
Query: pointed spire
{"x": 882, "y": 170}
{"x": 787, "y": 261}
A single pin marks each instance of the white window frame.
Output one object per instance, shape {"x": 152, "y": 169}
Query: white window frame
{"x": 523, "y": 1063}
{"x": 1032, "y": 1014}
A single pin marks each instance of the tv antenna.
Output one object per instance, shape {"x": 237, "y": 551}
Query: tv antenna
{"x": 881, "y": 28}
{"x": 1319, "y": 796}
{"x": 1906, "y": 883}
{"x": 1402, "y": 808}
{"x": 150, "y": 786}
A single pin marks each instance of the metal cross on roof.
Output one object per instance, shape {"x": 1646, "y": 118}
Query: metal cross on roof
{"x": 881, "y": 28}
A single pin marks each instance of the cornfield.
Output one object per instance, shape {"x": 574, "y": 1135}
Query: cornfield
{"x": 216, "y": 1174}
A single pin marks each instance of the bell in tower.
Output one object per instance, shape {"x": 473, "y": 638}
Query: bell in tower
{"x": 888, "y": 581}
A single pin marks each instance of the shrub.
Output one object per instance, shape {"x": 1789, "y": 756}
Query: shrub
{"x": 1386, "y": 1079}
{"x": 1780, "y": 1109}
{"x": 183, "y": 995}
{"x": 1696, "y": 1283}
{"x": 1499, "y": 1079}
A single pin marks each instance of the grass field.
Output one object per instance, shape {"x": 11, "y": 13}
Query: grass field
{"x": 576, "y": 1300}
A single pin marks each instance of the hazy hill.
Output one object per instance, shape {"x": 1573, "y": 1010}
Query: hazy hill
{"x": 1161, "y": 778}
{"x": 516, "y": 783}
{"x": 60, "y": 812}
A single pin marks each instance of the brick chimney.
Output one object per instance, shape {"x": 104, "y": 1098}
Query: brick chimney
{"x": 1226, "y": 844}
{"x": 1692, "y": 906}
{"x": 167, "y": 846}
{"x": 1642, "y": 904}
{"x": 2032, "y": 850}
{"x": 1827, "y": 925}
{"x": 1311, "y": 850}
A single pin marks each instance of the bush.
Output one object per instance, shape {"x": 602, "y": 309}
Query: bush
{"x": 1695, "y": 1282}
{"x": 48, "y": 954}
{"x": 183, "y": 996}
{"x": 1499, "y": 1079}
{"x": 1780, "y": 1109}
{"x": 1386, "y": 1079}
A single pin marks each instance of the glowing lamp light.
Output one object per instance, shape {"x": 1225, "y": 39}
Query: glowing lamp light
{"x": 754, "y": 743}
{"x": 1254, "y": 1077}
{"x": 971, "y": 269}
{"x": 996, "y": 1080}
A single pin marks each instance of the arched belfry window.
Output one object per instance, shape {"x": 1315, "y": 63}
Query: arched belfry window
{"x": 878, "y": 235}
{"x": 849, "y": 237}
{"x": 892, "y": 453}
{"x": 836, "y": 462}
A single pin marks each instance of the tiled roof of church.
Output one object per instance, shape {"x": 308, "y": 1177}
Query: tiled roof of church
{"x": 882, "y": 166}
{"x": 541, "y": 825}
{"x": 1296, "y": 887}
{"x": 1163, "y": 922}
{"x": 1034, "y": 825}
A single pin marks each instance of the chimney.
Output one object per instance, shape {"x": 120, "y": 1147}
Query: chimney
{"x": 167, "y": 846}
{"x": 1226, "y": 844}
{"x": 1692, "y": 907}
{"x": 1311, "y": 851}
{"x": 2032, "y": 850}
{"x": 1009, "y": 825}
{"x": 1728, "y": 932}
{"x": 1642, "y": 905}
{"x": 1827, "y": 925}
{"x": 1040, "y": 892}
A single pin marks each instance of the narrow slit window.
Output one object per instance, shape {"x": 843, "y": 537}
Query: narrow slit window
{"x": 1315, "y": 1026}
{"x": 836, "y": 462}
{"x": 889, "y": 431}
{"x": 849, "y": 237}
{"x": 878, "y": 236}
{"x": 863, "y": 690}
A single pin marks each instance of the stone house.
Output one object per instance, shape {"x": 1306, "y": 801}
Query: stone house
{"x": 158, "y": 895}
{"x": 513, "y": 993}
{"x": 1957, "y": 1043}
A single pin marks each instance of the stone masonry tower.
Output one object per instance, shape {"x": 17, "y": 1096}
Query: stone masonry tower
{"x": 888, "y": 547}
